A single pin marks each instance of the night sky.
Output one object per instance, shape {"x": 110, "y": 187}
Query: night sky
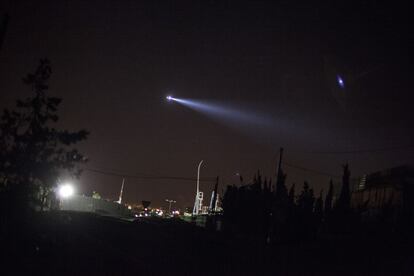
{"x": 115, "y": 61}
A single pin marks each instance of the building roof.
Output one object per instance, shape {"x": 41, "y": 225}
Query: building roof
{"x": 393, "y": 176}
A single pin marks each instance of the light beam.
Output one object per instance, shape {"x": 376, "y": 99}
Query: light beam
{"x": 226, "y": 112}
{"x": 264, "y": 128}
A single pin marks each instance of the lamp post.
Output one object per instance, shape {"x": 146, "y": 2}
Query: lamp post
{"x": 198, "y": 176}
{"x": 199, "y": 196}
{"x": 170, "y": 201}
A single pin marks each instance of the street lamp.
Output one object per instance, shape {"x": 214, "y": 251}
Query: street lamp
{"x": 66, "y": 190}
{"x": 199, "y": 195}
{"x": 198, "y": 175}
{"x": 170, "y": 201}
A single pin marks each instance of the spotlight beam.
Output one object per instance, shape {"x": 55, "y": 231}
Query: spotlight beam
{"x": 225, "y": 112}
{"x": 259, "y": 126}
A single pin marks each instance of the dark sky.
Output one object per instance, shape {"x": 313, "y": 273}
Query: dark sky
{"x": 115, "y": 61}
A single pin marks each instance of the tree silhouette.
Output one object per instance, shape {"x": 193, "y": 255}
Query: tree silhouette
{"x": 343, "y": 218}
{"x": 32, "y": 151}
{"x": 329, "y": 199}
{"x": 319, "y": 206}
{"x": 304, "y": 216}
{"x": 291, "y": 195}
{"x": 281, "y": 190}
{"x": 306, "y": 198}
{"x": 344, "y": 200}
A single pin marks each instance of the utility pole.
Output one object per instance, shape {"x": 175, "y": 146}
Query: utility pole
{"x": 279, "y": 172}
{"x": 279, "y": 168}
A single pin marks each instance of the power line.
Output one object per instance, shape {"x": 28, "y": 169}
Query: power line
{"x": 142, "y": 176}
{"x": 360, "y": 151}
{"x": 311, "y": 170}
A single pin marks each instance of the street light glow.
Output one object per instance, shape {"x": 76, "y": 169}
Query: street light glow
{"x": 169, "y": 98}
{"x": 66, "y": 190}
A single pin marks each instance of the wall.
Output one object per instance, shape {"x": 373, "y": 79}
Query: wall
{"x": 93, "y": 205}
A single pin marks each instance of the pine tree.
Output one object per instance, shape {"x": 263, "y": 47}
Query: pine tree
{"x": 265, "y": 185}
{"x": 32, "y": 152}
{"x": 344, "y": 200}
{"x": 281, "y": 192}
{"x": 329, "y": 199}
{"x": 306, "y": 198}
{"x": 319, "y": 205}
{"x": 258, "y": 183}
{"x": 291, "y": 195}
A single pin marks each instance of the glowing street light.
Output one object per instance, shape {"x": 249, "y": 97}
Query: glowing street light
{"x": 66, "y": 190}
{"x": 199, "y": 195}
{"x": 170, "y": 201}
{"x": 169, "y": 98}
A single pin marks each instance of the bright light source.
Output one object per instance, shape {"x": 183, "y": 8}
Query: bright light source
{"x": 169, "y": 98}
{"x": 66, "y": 190}
{"x": 340, "y": 81}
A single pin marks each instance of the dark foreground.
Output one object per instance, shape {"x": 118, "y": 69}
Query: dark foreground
{"x": 84, "y": 244}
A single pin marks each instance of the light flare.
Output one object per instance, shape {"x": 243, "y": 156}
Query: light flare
{"x": 66, "y": 190}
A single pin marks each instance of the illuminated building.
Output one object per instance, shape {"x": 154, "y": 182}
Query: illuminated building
{"x": 391, "y": 189}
